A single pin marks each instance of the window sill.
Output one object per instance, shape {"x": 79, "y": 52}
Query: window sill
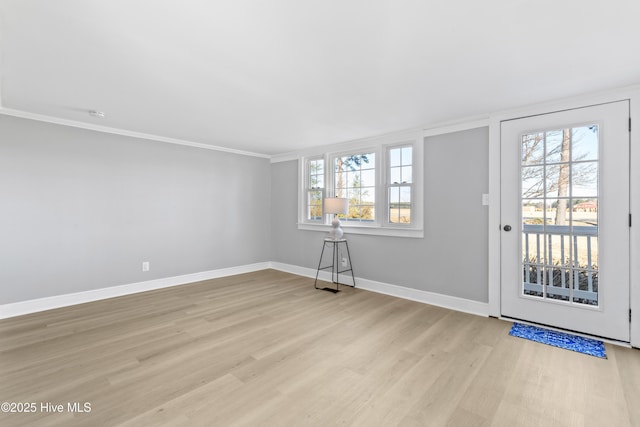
{"x": 360, "y": 229}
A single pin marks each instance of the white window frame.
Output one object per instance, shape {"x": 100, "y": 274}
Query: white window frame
{"x": 308, "y": 188}
{"x": 332, "y": 176}
{"x": 388, "y": 184}
{"x": 380, "y": 146}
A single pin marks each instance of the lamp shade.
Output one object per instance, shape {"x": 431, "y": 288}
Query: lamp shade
{"x": 336, "y": 205}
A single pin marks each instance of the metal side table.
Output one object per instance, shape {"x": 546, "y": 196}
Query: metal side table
{"x": 335, "y": 264}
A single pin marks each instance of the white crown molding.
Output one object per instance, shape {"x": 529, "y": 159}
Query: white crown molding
{"x": 122, "y": 132}
{"x": 425, "y": 131}
{"x": 407, "y": 134}
{"x": 456, "y": 126}
{"x": 285, "y": 157}
{"x": 58, "y": 301}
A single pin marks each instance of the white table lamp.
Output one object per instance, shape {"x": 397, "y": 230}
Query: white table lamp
{"x": 336, "y": 205}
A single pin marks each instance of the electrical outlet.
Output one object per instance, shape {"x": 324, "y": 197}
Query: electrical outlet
{"x": 344, "y": 262}
{"x": 145, "y": 266}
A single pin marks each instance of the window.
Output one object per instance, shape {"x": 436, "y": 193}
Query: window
{"x": 382, "y": 178}
{"x": 315, "y": 189}
{"x": 355, "y": 179}
{"x": 399, "y": 183}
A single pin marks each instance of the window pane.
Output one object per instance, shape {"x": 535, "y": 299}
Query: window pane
{"x": 406, "y": 174}
{"x": 407, "y": 153}
{"x": 361, "y": 212}
{"x": 314, "y": 205}
{"x": 585, "y": 143}
{"x": 405, "y": 205}
{"x": 367, "y": 195}
{"x": 405, "y": 195}
{"x": 532, "y": 148}
{"x": 369, "y": 212}
{"x": 585, "y": 212}
{"x": 553, "y": 146}
{"x": 533, "y": 211}
{"x": 558, "y": 276}
{"x": 400, "y": 204}
{"x": 394, "y": 176}
{"x": 532, "y": 181}
{"x": 558, "y": 211}
{"x": 316, "y": 166}
{"x": 394, "y": 215}
{"x": 584, "y": 243}
{"x": 405, "y": 216}
{"x": 394, "y": 157}
{"x": 368, "y": 178}
{"x": 355, "y": 179}
{"x": 353, "y": 194}
{"x": 316, "y": 173}
{"x": 394, "y": 196}
{"x": 316, "y": 181}
{"x": 584, "y": 179}
{"x": 557, "y": 180}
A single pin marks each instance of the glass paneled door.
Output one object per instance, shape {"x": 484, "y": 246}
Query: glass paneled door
{"x": 565, "y": 219}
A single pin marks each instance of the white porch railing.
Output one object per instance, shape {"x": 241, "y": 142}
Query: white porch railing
{"x": 567, "y": 268}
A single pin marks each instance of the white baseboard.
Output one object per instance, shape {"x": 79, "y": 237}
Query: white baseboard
{"x": 48, "y": 303}
{"x": 58, "y": 301}
{"x": 440, "y": 300}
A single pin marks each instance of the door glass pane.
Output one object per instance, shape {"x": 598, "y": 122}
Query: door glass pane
{"x": 551, "y": 178}
{"x": 585, "y": 253}
{"x": 532, "y": 148}
{"x": 553, "y": 146}
{"x": 558, "y": 252}
{"x": 584, "y": 180}
{"x": 532, "y": 247}
{"x": 533, "y": 181}
{"x": 560, "y": 215}
{"x": 585, "y": 143}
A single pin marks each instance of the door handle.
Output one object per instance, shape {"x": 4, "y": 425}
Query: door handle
{"x": 507, "y": 228}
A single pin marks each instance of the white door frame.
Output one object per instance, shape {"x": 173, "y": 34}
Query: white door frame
{"x": 632, "y": 94}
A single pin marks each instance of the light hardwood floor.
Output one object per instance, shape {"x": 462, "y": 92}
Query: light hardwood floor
{"x": 266, "y": 349}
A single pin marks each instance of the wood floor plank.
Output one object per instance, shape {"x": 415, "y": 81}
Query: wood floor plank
{"x": 266, "y": 348}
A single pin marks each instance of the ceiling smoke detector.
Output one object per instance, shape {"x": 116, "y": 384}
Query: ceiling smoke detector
{"x": 98, "y": 114}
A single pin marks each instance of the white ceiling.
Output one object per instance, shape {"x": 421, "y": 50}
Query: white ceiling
{"x": 281, "y": 75}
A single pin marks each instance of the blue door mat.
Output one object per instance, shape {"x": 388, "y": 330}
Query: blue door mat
{"x": 559, "y": 339}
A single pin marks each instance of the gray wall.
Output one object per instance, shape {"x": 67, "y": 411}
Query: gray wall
{"x": 452, "y": 257}
{"x": 82, "y": 210}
